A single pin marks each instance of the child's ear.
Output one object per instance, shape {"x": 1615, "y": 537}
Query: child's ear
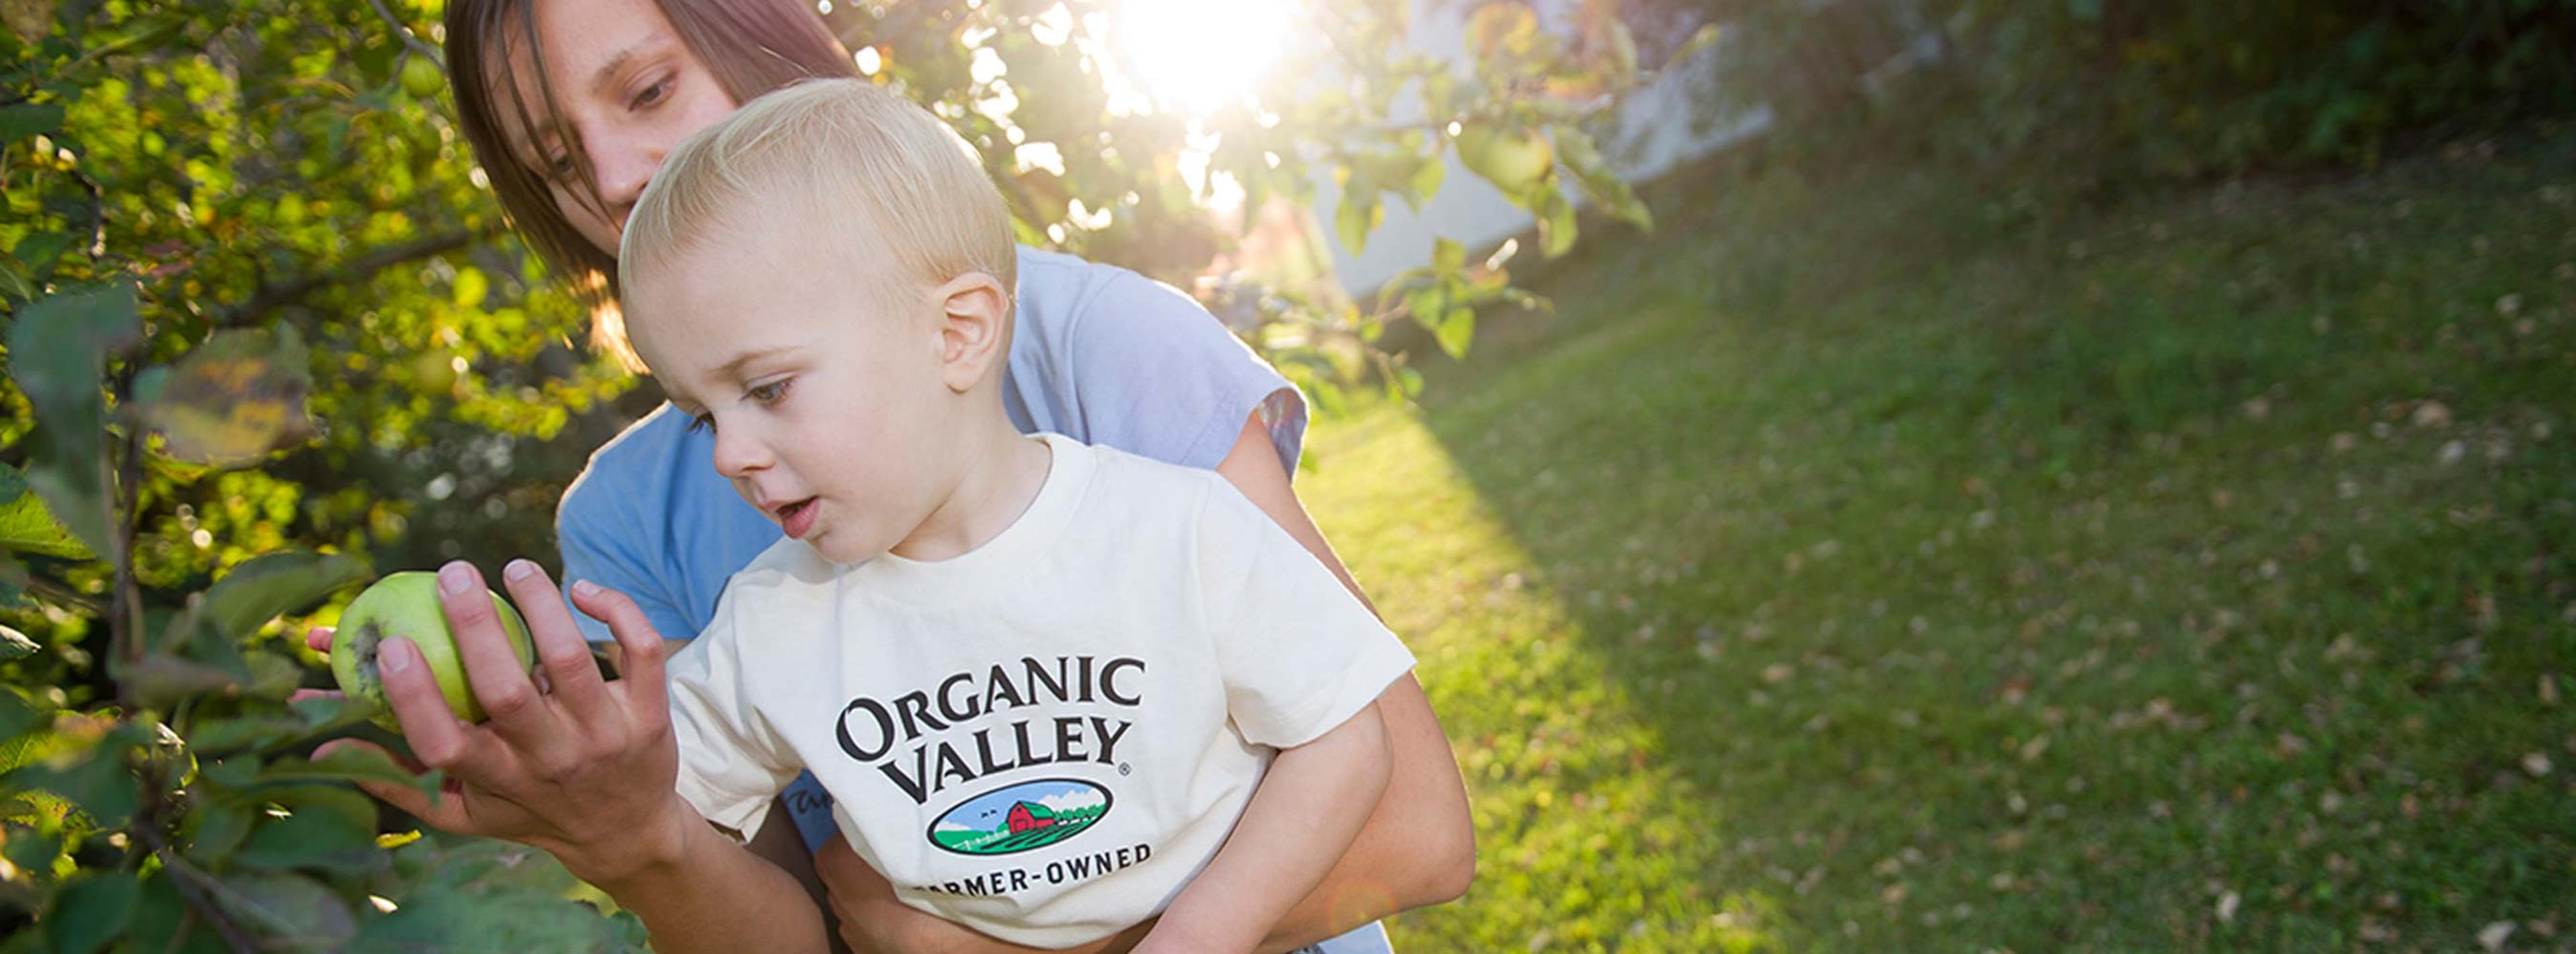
{"x": 974, "y": 329}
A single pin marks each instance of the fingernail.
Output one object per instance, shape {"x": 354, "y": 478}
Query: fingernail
{"x": 584, "y": 588}
{"x": 455, "y": 577}
{"x": 395, "y": 655}
{"x": 518, "y": 570}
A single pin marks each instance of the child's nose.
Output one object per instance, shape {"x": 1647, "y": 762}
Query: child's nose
{"x": 738, "y": 455}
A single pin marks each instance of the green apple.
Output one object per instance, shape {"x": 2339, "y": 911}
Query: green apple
{"x": 421, "y": 77}
{"x": 1511, "y": 160}
{"x": 406, "y": 605}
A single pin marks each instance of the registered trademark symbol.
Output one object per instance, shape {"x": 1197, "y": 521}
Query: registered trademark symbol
{"x": 1123, "y": 769}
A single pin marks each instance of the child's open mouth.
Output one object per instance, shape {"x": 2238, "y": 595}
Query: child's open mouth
{"x": 797, "y": 518}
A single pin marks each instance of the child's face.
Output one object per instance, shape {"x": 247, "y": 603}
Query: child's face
{"x": 828, "y": 405}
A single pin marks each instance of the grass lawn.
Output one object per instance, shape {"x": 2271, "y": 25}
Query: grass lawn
{"x": 1834, "y": 570}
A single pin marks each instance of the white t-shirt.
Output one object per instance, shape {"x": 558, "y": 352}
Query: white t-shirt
{"x": 1045, "y": 738}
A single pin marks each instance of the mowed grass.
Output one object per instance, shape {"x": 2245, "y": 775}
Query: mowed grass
{"x": 1835, "y": 571}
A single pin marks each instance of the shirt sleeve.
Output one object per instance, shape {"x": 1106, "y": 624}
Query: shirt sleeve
{"x": 1298, "y": 653}
{"x": 732, "y": 763}
{"x": 599, "y": 544}
{"x": 1157, "y": 376}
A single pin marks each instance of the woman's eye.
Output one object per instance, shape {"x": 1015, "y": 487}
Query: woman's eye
{"x": 653, "y": 94}
{"x": 771, "y": 392}
{"x": 559, "y": 166}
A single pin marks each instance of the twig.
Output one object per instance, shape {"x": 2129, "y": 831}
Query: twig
{"x": 416, "y": 44}
{"x": 273, "y": 297}
{"x": 125, "y": 622}
{"x": 186, "y": 876}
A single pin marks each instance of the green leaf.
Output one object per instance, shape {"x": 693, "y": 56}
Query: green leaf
{"x": 27, "y": 527}
{"x": 348, "y": 763}
{"x": 233, "y": 399}
{"x": 39, "y": 250}
{"x": 58, "y": 351}
{"x": 22, "y": 120}
{"x": 448, "y": 919}
{"x": 92, "y": 910}
{"x": 97, "y": 781}
{"x": 1358, "y": 215}
{"x": 33, "y": 849}
{"x": 1456, "y": 328}
{"x": 1409, "y": 381}
{"x": 162, "y": 679}
{"x": 160, "y": 917}
{"x": 18, "y": 713}
{"x": 304, "y": 719}
{"x": 15, "y": 645}
{"x": 1555, "y": 224}
{"x": 1427, "y": 178}
{"x": 270, "y": 584}
{"x": 291, "y": 909}
{"x": 1447, "y": 256}
{"x": 316, "y": 840}
{"x": 217, "y": 824}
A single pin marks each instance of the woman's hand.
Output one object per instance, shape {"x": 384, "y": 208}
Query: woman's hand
{"x": 583, "y": 769}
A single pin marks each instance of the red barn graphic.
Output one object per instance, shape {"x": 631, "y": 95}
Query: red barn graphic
{"x": 1025, "y": 816}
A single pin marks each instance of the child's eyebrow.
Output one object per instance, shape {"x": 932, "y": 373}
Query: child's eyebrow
{"x": 733, "y": 367}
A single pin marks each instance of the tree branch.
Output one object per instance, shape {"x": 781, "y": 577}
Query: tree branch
{"x": 272, "y": 297}
{"x": 418, "y": 45}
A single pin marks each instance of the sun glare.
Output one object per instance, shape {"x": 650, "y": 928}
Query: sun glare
{"x": 1197, "y": 55}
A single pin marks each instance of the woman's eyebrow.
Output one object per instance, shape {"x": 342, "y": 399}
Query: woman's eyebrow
{"x": 605, "y": 80}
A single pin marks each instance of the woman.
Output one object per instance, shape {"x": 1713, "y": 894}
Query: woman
{"x": 570, "y": 106}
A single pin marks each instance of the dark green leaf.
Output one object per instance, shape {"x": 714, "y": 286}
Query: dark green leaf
{"x": 58, "y": 350}
{"x": 18, "y": 713}
{"x": 446, "y": 919}
{"x": 316, "y": 840}
{"x": 21, "y": 120}
{"x": 217, "y": 824}
{"x": 160, "y": 917}
{"x": 33, "y": 849}
{"x": 162, "y": 679}
{"x": 39, "y": 250}
{"x": 92, "y": 910}
{"x": 294, "y": 910}
{"x": 233, "y": 399}
{"x": 274, "y": 583}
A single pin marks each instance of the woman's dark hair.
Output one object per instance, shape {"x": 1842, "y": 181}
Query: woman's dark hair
{"x": 752, "y": 47}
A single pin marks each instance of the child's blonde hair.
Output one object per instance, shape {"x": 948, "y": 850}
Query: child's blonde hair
{"x": 826, "y": 146}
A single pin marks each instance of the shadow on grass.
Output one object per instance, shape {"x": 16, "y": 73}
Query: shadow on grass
{"x": 2196, "y": 577}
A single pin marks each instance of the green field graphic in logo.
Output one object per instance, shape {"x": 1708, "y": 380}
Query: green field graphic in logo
{"x": 1020, "y": 817}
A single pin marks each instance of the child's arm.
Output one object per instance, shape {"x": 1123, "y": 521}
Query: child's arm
{"x": 1303, "y": 817}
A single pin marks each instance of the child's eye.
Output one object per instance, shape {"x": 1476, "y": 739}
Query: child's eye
{"x": 771, "y": 392}
{"x": 702, "y": 422}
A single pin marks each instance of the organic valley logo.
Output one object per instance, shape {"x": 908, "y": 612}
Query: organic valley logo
{"x": 1020, "y": 817}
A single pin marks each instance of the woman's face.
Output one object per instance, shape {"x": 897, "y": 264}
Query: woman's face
{"x": 627, "y": 87}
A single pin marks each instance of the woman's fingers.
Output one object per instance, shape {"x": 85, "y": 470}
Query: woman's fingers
{"x": 318, "y": 639}
{"x": 640, "y": 669}
{"x": 492, "y": 665}
{"x": 564, "y": 659}
{"x": 437, "y": 738}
